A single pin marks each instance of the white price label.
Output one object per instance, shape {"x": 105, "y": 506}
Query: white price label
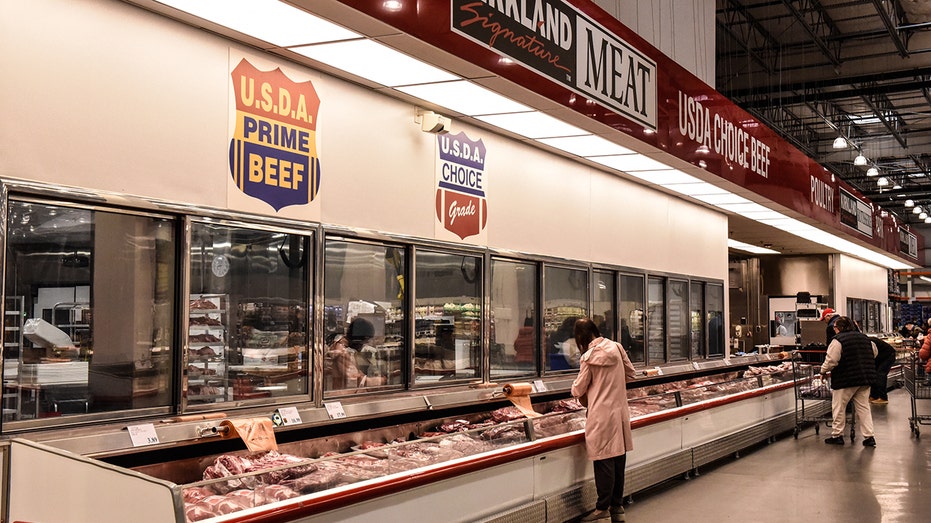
{"x": 539, "y": 386}
{"x": 695, "y": 365}
{"x": 142, "y": 435}
{"x": 290, "y": 416}
{"x": 659, "y": 371}
{"x": 335, "y": 410}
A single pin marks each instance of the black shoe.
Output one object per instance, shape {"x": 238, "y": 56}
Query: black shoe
{"x": 869, "y": 442}
{"x": 835, "y": 440}
{"x": 617, "y": 514}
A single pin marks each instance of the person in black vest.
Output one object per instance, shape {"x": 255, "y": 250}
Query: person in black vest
{"x": 851, "y": 360}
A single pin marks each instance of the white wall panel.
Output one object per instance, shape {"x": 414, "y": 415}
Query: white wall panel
{"x": 103, "y": 95}
{"x": 682, "y": 30}
{"x": 537, "y": 202}
{"x": 859, "y": 279}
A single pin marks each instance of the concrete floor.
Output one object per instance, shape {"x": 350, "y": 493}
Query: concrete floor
{"x": 805, "y": 480}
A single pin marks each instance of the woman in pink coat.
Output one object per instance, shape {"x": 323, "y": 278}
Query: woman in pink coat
{"x": 603, "y": 374}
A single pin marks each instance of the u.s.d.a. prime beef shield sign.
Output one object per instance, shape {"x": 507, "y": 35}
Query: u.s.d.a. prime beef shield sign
{"x": 461, "y": 207}
{"x": 556, "y": 40}
{"x": 273, "y": 151}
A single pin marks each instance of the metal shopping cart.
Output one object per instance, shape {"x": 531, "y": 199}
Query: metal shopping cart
{"x": 918, "y": 384}
{"x": 813, "y": 392}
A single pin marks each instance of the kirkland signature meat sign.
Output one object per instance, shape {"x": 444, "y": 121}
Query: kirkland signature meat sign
{"x": 555, "y": 40}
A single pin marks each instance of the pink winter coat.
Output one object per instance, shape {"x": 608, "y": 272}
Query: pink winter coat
{"x": 603, "y": 373}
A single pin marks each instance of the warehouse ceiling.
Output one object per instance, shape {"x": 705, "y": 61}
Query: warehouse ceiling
{"x": 861, "y": 69}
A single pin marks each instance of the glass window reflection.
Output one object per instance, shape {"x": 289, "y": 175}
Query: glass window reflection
{"x": 678, "y": 320}
{"x": 656, "y": 316}
{"x": 603, "y": 306}
{"x": 715, "y": 317}
{"x": 697, "y": 326}
{"x": 364, "y": 316}
{"x": 631, "y": 309}
{"x": 566, "y": 294}
{"x": 448, "y": 317}
{"x": 514, "y": 319}
{"x": 248, "y": 314}
{"x": 90, "y": 297}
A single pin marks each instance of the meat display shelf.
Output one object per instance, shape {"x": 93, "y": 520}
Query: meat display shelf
{"x": 666, "y": 439}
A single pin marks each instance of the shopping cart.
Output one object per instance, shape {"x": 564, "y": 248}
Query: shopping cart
{"x": 812, "y": 392}
{"x": 918, "y": 384}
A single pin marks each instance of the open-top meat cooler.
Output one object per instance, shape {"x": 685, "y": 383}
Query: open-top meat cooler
{"x": 474, "y": 453}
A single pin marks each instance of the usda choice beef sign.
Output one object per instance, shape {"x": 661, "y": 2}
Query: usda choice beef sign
{"x": 460, "y": 192}
{"x": 557, "y": 41}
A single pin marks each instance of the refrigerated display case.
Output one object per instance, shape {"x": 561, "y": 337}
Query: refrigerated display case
{"x": 324, "y": 468}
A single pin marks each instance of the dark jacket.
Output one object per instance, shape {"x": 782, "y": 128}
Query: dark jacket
{"x": 857, "y": 365}
{"x": 886, "y": 356}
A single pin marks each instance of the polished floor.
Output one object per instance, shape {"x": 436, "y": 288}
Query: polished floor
{"x": 804, "y": 480}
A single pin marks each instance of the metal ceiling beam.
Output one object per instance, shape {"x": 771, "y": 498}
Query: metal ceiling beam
{"x": 887, "y": 10}
{"x": 818, "y": 25}
{"x": 754, "y": 38}
{"x": 812, "y": 95}
{"x": 914, "y": 73}
{"x": 881, "y": 107}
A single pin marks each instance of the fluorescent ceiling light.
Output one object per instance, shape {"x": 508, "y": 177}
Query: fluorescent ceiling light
{"x": 465, "y": 98}
{"x": 690, "y": 189}
{"x": 670, "y": 177}
{"x": 925, "y": 278}
{"x": 532, "y": 124}
{"x": 268, "y": 20}
{"x": 751, "y": 210}
{"x": 635, "y": 162}
{"x": 721, "y": 199}
{"x": 741, "y": 246}
{"x": 590, "y": 145}
{"x": 868, "y": 119}
{"x": 376, "y": 62}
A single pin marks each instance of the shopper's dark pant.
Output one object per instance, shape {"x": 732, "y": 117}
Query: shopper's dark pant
{"x": 609, "y": 481}
{"x": 878, "y": 390}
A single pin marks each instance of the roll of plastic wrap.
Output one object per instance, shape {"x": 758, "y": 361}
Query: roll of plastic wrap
{"x": 257, "y": 433}
{"x": 519, "y": 394}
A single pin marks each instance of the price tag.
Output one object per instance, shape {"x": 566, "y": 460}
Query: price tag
{"x": 290, "y": 416}
{"x": 695, "y": 365}
{"x": 539, "y": 386}
{"x": 659, "y": 371}
{"x": 142, "y": 435}
{"x": 335, "y": 410}
{"x": 727, "y": 361}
